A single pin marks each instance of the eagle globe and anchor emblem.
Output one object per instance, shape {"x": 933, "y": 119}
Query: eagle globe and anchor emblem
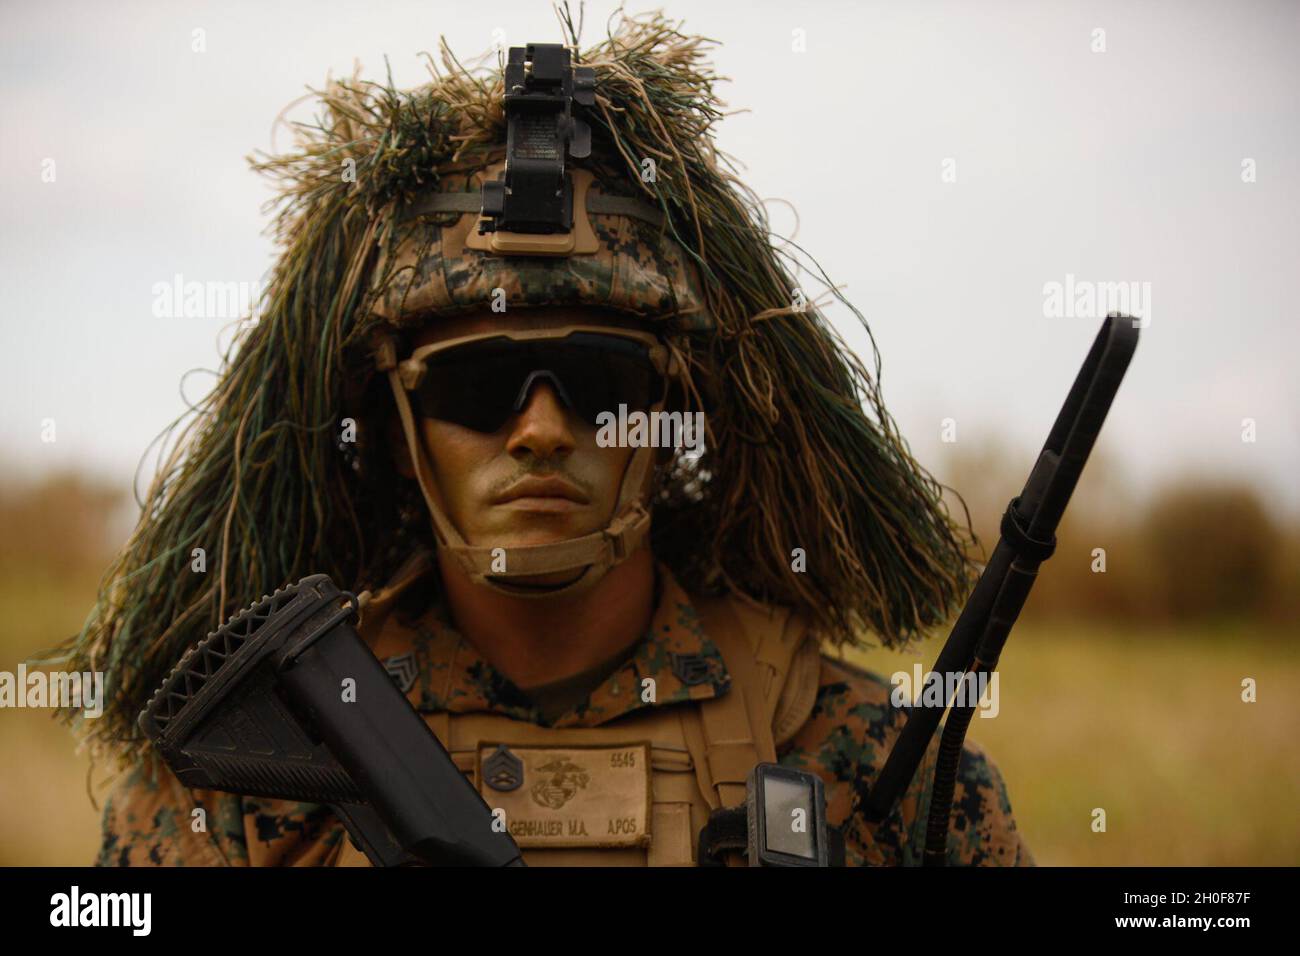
{"x": 561, "y": 783}
{"x": 560, "y": 780}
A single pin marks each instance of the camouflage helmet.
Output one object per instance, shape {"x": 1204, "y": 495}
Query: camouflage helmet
{"x": 631, "y": 264}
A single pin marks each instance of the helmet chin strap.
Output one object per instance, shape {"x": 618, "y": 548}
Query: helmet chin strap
{"x": 593, "y": 554}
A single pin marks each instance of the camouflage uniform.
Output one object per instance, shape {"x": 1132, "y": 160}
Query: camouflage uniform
{"x": 845, "y": 741}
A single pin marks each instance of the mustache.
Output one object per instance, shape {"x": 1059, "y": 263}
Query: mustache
{"x": 532, "y": 466}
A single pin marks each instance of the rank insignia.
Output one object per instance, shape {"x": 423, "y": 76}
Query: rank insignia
{"x": 692, "y": 669}
{"x": 401, "y": 668}
{"x": 503, "y": 770}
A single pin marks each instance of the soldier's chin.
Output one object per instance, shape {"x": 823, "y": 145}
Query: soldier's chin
{"x": 534, "y": 533}
{"x": 530, "y": 530}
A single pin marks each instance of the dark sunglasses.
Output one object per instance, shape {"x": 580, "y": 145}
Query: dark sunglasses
{"x": 479, "y": 382}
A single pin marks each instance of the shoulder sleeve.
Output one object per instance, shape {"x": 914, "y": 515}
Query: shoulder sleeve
{"x": 851, "y": 731}
{"x": 151, "y": 819}
{"x": 289, "y": 833}
{"x": 983, "y": 831}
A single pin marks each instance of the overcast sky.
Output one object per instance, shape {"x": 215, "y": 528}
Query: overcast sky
{"x": 947, "y": 161}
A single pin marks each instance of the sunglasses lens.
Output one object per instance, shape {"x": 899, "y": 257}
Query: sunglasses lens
{"x": 465, "y": 385}
{"x": 476, "y": 385}
{"x": 601, "y": 373}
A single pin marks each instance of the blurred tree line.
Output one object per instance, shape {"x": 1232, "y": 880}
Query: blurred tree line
{"x": 1203, "y": 548}
{"x": 64, "y": 523}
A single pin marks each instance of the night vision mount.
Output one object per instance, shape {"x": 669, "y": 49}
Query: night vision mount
{"x": 535, "y": 193}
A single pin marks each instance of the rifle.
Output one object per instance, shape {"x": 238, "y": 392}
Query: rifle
{"x": 267, "y": 705}
{"x": 1027, "y": 539}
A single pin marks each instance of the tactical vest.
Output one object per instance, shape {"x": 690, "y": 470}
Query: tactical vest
{"x": 583, "y": 796}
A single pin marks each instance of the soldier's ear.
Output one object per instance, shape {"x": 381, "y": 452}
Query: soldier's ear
{"x": 397, "y": 446}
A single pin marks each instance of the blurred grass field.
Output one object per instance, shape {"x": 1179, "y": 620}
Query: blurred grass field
{"x": 1150, "y": 726}
{"x": 1146, "y": 723}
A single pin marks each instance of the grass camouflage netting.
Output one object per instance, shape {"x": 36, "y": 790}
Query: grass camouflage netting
{"x": 801, "y": 452}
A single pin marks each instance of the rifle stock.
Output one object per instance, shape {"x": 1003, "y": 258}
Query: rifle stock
{"x": 286, "y": 701}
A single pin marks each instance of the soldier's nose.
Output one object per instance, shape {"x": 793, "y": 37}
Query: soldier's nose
{"x": 542, "y": 427}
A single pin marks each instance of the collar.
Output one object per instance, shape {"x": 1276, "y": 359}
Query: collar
{"x": 439, "y": 670}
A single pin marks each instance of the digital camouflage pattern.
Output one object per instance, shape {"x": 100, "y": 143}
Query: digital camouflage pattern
{"x": 635, "y": 270}
{"x": 845, "y": 741}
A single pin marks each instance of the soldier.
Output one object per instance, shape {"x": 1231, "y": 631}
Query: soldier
{"x": 479, "y": 411}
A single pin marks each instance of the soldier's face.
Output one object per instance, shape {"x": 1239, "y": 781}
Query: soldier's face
{"x": 541, "y": 477}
